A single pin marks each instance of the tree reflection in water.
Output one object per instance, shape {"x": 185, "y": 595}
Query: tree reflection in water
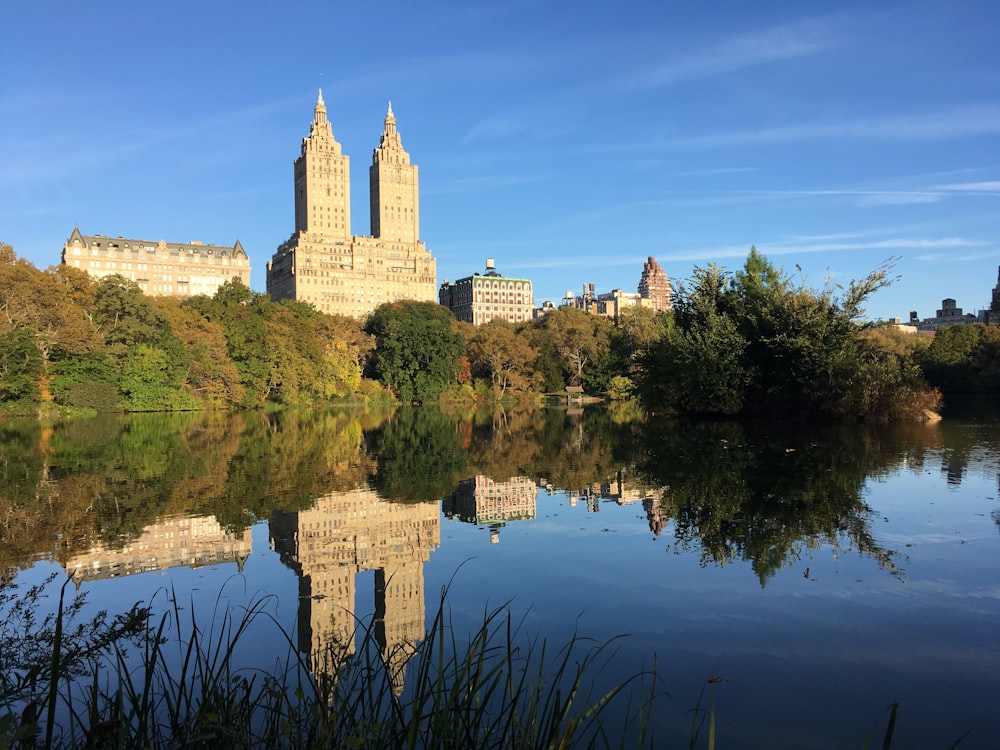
{"x": 755, "y": 492}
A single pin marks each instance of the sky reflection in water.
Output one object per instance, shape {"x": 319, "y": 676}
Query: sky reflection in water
{"x": 824, "y": 573}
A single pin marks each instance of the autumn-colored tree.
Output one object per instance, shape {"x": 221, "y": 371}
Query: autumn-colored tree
{"x": 578, "y": 341}
{"x": 44, "y": 304}
{"x": 502, "y": 354}
{"x": 209, "y": 373}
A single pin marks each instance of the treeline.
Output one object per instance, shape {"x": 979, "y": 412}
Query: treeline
{"x": 750, "y": 343}
{"x": 102, "y": 344}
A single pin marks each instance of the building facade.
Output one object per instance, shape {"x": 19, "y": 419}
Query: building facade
{"x": 654, "y": 285}
{"x": 606, "y": 304}
{"x": 322, "y": 263}
{"x": 611, "y": 304}
{"x": 171, "y": 269}
{"x": 994, "y": 313}
{"x": 478, "y": 299}
{"x": 949, "y": 315}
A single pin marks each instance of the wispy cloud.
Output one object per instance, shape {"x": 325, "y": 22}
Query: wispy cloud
{"x": 897, "y": 197}
{"x": 870, "y": 197}
{"x": 774, "y": 44}
{"x": 955, "y": 258}
{"x": 896, "y": 243}
{"x": 798, "y": 247}
{"x": 960, "y": 122}
{"x": 992, "y": 186}
{"x": 586, "y": 261}
{"x": 49, "y": 159}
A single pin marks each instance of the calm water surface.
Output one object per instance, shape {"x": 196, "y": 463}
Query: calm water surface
{"x": 818, "y": 573}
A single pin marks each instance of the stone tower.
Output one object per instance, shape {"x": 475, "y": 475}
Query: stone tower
{"x": 326, "y": 266}
{"x": 322, "y": 181}
{"x": 395, "y": 205}
{"x": 655, "y": 285}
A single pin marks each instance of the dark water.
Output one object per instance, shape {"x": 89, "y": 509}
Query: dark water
{"x": 816, "y": 574}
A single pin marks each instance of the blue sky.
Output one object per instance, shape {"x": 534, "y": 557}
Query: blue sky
{"x": 569, "y": 141}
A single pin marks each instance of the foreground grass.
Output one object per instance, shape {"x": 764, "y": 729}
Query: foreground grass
{"x": 172, "y": 684}
{"x": 131, "y": 683}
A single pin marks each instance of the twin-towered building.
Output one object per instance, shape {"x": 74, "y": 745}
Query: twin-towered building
{"x": 322, "y": 263}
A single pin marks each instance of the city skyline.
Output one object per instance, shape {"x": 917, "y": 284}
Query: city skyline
{"x": 569, "y": 146}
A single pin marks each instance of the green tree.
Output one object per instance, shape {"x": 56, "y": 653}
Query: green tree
{"x": 699, "y": 364}
{"x": 417, "y": 350}
{"x": 242, "y": 314}
{"x": 963, "y": 358}
{"x": 151, "y": 382}
{"x": 125, "y": 317}
{"x": 21, "y": 366}
{"x": 89, "y": 380}
{"x": 757, "y": 344}
{"x": 638, "y": 329}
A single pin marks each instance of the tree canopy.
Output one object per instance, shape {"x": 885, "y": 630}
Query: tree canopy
{"x": 417, "y": 349}
{"x": 752, "y": 342}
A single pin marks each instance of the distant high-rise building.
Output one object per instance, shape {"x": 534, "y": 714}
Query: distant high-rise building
{"x": 169, "y": 269}
{"x": 607, "y": 304}
{"x": 995, "y": 304}
{"x": 478, "y": 299}
{"x": 322, "y": 263}
{"x": 655, "y": 285}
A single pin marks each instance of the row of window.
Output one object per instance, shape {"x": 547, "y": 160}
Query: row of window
{"x": 95, "y": 252}
{"x": 512, "y": 317}
{"x": 113, "y": 265}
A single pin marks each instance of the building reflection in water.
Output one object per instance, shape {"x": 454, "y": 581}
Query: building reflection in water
{"x": 177, "y": 541}
{"x": 487, "y": 502}
{"x": 345, "y": 533}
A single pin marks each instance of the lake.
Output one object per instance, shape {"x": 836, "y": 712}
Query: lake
{"x": 815, "y": 574}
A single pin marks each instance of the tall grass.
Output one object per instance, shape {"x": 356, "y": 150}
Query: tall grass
{"x": 130, "y": 684}
{"x": 493, "y": 688}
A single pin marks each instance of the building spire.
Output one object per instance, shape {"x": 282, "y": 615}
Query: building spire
{"x": 319, "y": 114}
{"x": 390, "y": 137}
